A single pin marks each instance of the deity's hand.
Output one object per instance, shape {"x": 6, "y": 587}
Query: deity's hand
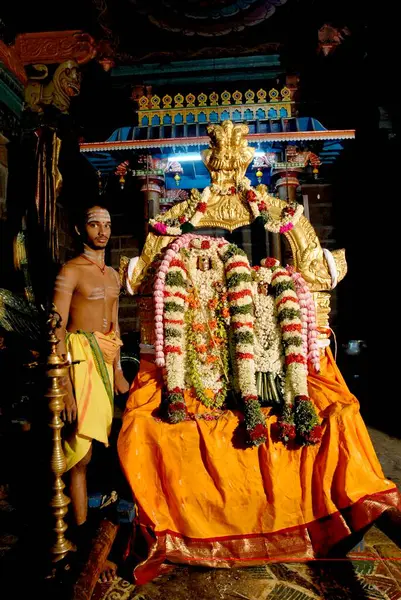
{"x": 121, "y": 385}
{"x": 70, "y": 408}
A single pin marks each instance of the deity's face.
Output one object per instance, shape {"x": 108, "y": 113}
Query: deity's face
{"x": 204, "y": 263}
{"x": 219, "y": 287}
{"x": 97, "y": 227}
{"x": 263, "y": 288}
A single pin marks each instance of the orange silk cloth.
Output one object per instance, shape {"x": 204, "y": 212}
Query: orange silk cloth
{"x": 203, "y": 499}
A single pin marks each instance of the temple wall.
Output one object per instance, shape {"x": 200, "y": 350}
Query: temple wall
{"x": 122, "y": 243}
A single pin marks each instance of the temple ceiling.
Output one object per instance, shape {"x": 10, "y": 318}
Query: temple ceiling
{"x": 208, "y": 18}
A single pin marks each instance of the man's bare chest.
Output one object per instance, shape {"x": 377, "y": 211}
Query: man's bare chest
{"x": 93, "y": 287}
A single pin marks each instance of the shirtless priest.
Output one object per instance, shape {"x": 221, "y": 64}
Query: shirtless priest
{"x": 86, "y": 296}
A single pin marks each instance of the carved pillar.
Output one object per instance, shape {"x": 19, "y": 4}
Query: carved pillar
{"x": 287, "y": 183}
{"x": 151, "y": 190}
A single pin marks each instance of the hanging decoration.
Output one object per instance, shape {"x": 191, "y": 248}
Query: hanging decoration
{"x": 176, "y": 168}
{"x": 121, "y": 171}
{"x": 330, "y": 38}
{"x": 99, "y": 182}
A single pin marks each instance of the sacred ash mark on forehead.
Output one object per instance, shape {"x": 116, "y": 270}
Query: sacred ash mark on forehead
{"x": 100, "y": 215}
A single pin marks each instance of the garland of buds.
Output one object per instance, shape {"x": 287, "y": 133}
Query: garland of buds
{"x": 158, "y": 294}
{"x": 299, "y": 419}
{"x": 308, "y": 318}
{"x": 185, "y": 222}
{"x": 240, "y": 299}
{"x": 175, "y": 298}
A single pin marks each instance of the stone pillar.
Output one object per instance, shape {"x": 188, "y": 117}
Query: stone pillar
{"x": 287, "y": 183}
{"x": 151, "y": 189}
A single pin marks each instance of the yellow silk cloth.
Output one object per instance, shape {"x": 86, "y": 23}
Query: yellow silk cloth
{"x": 203, "y": 500}
{"x": 92, "y": 381}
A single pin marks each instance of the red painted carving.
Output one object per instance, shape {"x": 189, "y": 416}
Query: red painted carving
{"x": 55, "y": 47}
{"x": 12, "y": 62}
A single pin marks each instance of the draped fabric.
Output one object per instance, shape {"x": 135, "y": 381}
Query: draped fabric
{"x": 205, "y": 499}
{"x": 92, "y": 380}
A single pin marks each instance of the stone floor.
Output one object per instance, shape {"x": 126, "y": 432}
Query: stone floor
{"x": 371, "y": 572}
{"x": 388, "y": 450}
{"x": 374, "y": 572}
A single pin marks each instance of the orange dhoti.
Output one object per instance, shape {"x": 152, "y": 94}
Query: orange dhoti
{"x": 202, "y": 500}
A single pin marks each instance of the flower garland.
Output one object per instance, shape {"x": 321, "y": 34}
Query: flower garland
{"x": 289, "y": 318}
{"x": 308, "y": 318}
{"x": 159, "y": 292}
{"x": 171, "y": 300}
{"x": 215, "y": 416}
{"x": 171, "y": 288}
{"x": 175, "y": 297}
{"x": 299, "y": 419}
{"x": 268, "y": 347}
{"x": 185, "y": 223}
{"x": 206, "y": 325}
{"x": 289, "y": 217}
{"x": 214, "y": 354}
{"x": 240, "y": 298}
{"x": 158, "y": 297}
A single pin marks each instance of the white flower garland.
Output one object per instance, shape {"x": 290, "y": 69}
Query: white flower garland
{"x": 269, "y": 357}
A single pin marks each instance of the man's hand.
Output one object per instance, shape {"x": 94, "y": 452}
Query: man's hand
{"x": 121, "y": 385}
{"x": 70, "y": 408}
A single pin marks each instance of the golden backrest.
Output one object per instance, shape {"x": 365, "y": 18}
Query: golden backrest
{"x": 227, "y": 159}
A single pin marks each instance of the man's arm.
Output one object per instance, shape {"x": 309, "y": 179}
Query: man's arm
{"x": 64, "y": 287}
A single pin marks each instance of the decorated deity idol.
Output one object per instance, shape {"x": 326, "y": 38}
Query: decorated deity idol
{"x": 240, "y": 440}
